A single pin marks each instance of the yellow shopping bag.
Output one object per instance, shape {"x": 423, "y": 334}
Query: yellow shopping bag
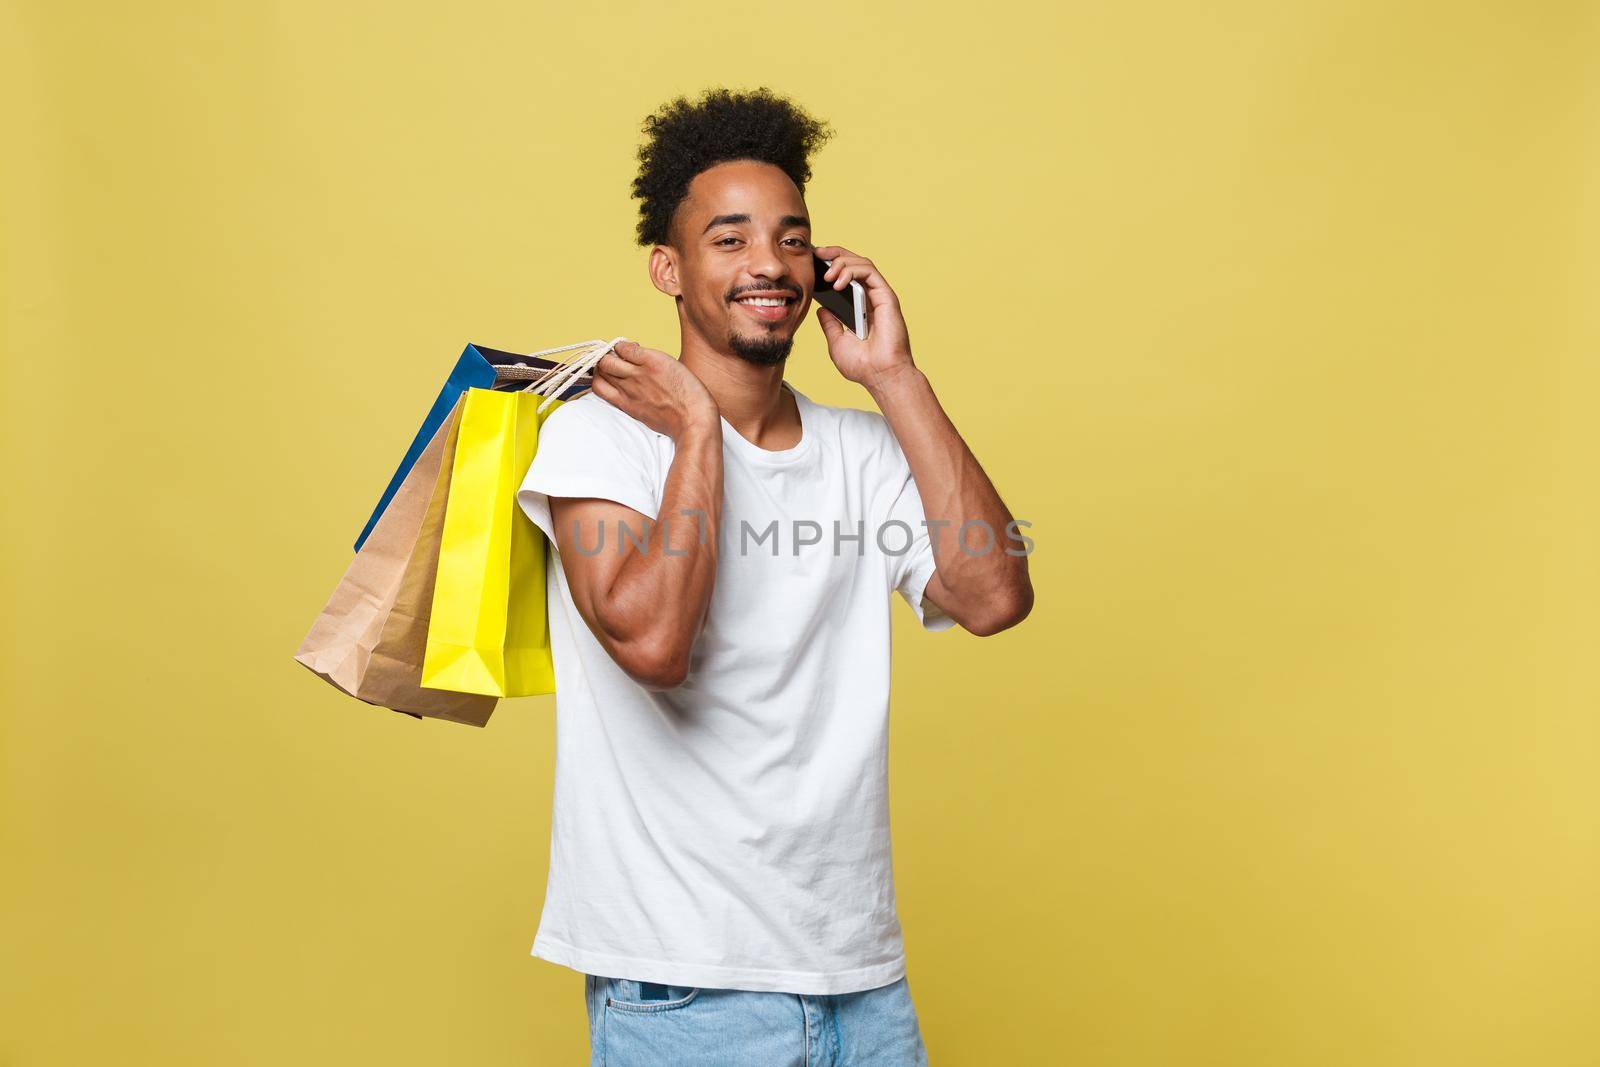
{"x": 489, "y": 632}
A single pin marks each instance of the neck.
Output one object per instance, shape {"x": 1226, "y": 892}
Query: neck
{"x": 750, "y": 397}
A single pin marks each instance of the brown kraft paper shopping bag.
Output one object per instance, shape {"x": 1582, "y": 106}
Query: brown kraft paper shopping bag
{"x": 370, "y": 637}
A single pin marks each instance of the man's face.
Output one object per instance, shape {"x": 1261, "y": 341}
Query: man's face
{"x": 742, "y": 234}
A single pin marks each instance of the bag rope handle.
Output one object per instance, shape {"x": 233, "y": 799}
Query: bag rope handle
{"x": 552, "y": 382}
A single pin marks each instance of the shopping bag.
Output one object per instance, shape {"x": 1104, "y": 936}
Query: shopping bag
{"x": 478, "y": 367}
{"x": 489, "y": 632}
{"x": 370, "y": 637}
{"x": 395, "y": 670}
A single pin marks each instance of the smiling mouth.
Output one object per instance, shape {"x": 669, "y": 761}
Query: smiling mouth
{"x": 767, "y": 309}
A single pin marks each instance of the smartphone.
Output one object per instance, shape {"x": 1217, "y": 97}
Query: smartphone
{"x": 849, "y": 303}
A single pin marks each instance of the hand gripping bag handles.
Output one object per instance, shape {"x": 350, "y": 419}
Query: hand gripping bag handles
{"x": 489, "y": 631}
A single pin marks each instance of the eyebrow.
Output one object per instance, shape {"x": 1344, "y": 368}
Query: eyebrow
{"x": 783, "y": 223}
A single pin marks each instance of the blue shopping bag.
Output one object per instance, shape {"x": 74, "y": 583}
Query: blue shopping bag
{"x": 479, "y": 367}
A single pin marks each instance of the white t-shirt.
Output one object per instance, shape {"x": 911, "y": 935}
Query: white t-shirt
{"x": 733, "y": 832}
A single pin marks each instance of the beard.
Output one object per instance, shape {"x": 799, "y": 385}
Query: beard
{"x": 764, "y": 350}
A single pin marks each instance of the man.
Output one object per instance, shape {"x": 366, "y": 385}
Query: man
{"x": 725, "y": 551}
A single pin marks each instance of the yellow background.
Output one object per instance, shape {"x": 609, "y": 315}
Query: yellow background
{"x": 1276, "y": 320}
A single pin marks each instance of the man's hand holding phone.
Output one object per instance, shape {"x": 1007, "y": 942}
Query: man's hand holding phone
{"x": 886, "y": 350}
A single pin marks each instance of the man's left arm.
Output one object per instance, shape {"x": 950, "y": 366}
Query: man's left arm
{"x": 983, "y": 586}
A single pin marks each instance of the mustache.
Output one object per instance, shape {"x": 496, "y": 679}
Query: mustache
{"x": 766, "y": 289}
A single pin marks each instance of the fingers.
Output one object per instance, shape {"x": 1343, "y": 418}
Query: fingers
{"x": 861, "y": 270}
{"x": 847, "y": 268}
{"x": 632, "y": 351}
{"x": 616, "y": 366}
{"x": 839, "y": 257}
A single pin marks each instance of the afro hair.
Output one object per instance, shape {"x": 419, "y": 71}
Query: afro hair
{"x": 686, "y": 137}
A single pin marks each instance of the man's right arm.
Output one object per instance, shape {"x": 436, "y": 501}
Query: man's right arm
{"x": 645, "y": 596}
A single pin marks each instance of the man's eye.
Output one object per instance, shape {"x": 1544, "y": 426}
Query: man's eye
{"x": 799, "y": 242}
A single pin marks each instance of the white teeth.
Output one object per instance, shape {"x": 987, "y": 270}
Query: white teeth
{"x": 764, "y": 301}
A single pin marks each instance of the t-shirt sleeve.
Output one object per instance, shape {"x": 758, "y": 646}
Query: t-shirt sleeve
{"x": 579, "y": 455}
{"x": 910, "y": 571}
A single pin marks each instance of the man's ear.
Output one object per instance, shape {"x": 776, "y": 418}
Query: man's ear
{"x": 664, "y": 270}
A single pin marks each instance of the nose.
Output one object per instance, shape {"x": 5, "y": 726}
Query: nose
{"x": 767, "y": 262}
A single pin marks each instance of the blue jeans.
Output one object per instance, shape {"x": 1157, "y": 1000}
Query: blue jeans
{"x": 643, "y": 1024}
